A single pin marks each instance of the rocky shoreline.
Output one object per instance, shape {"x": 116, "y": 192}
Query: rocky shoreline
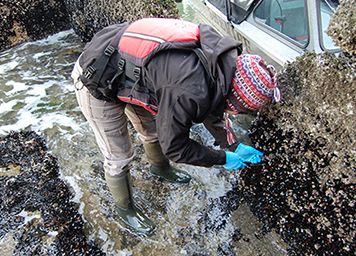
{"x": 35, "y": 19}
{"x": 37, "y": 214}
{"x": 304, "y": 190}
{"x": 23, "y": 20}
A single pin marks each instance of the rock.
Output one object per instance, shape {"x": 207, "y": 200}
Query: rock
{"x": 342, "y": 27}
{"x": 36, "y": 210}
{"x": 24, "y": 20}
{"x": 304, "y": 188}
{"x": 35, "y": 19}
{"x": 89, "y": 16}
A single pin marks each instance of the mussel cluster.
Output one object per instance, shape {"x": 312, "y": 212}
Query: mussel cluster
{"x": 89, "y": 16}
{"x": 36, "y": 210}
{"x": 305, "y": 187}
{"x": 23, "y": 21}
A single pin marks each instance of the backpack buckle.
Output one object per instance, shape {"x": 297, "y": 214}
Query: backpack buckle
{"x": 137, "y": 72}
{"x": 121, "y": 64}
{"x": 89, "y": 72}
{"x": 109, "y": 50}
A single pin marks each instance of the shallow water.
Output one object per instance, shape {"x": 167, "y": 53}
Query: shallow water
{"x": 36, "y": 93}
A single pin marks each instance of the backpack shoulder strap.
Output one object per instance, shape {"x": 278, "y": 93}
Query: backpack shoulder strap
{"x": 97, "y": 68}
{"x": 105, "y": 67}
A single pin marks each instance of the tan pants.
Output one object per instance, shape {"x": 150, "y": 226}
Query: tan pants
{"x": 109, "y": 123}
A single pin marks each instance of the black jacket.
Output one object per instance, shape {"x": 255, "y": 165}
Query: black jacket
{"x": 185, "y": 96}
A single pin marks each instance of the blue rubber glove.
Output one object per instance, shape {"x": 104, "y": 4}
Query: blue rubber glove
{"x": 233, "y": 161}
{"x": 248, "y": 154}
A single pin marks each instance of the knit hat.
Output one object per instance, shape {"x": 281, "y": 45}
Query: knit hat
{"x": 254, "y": 84}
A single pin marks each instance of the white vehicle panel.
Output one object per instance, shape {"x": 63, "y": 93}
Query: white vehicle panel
{"x": 269, "y": 45}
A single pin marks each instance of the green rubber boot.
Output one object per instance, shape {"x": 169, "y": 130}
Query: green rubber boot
{"x": 132, "y": 217}
{"x": 160, "y": 165}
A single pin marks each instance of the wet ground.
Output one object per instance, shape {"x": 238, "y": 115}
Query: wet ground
{"x": 54, "y": 199}
{"x": 40, "y": 213}
{"x": 37, "y": 214}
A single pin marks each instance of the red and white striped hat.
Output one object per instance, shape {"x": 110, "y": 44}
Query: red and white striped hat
{"x": 254, "y": 84}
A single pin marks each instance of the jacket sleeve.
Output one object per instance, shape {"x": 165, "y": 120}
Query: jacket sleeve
{"x": 216, "y": 126}
{"x": 177, "y": 112}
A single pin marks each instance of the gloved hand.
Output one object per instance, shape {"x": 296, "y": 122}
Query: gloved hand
{"x": 248, "y": 154}
{"x": 233, "y": 161}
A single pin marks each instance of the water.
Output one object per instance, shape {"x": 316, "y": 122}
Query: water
{"x": 36, "y": 93}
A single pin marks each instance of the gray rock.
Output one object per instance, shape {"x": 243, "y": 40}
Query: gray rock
{"x": 36, "y": 19}
{"x": 89, "y": 16}
{"x": 24, "y": 20}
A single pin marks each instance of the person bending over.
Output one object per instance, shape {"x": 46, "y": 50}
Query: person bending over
{"x": 164, "y": 75}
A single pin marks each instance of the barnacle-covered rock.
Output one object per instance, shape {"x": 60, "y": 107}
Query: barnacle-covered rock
{"x": 305, "y": 186}
{"x": 342, "y": 27}
{"x": 89, "y": 16}
{"x": 35, "y": 19}
{"x": 23, "y": 20}
{"x": 36, "y": 210}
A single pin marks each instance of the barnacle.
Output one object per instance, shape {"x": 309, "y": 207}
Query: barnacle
{"x": 342, "y": 26}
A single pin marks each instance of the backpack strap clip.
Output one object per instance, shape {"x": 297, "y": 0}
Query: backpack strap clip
{"x": 109, "y": 50}
{"x": 89, "y": 72}
{"x": 137, "y": 73}
{"x": 118, "y": 75}
{"x": 121, "y": 64}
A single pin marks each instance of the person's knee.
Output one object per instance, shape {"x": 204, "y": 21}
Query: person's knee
{"x": 115, "y": 167}
{"x": 148, "y": 138}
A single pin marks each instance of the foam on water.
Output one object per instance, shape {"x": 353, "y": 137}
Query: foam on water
{"x": 7, "y": 106}
{"x": 25, "y": 115}
{"x": 25, "y": 120}
{"x": 50, "y": 40}
{"x": 56, "y": 119}
{"x": 36, "y": 75}
{"x": 16, "y": 87}
{"x": 41, "y": 54}
{"x": 78, "y": 193}
{"x": 4, "y": 68}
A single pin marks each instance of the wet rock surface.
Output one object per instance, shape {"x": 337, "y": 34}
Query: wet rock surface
{"x": 23, "y": 20}
{"x": 39, "y": 217}
{"x": 305, "y": 188}
{"x": 212, "y": 232}
{"x": 36, "y": 211}
{"x": 89, "y": 16}
{"x": 35, "y": 19}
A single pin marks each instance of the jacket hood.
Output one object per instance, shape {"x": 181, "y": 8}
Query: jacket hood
{"x": 221, "y": 52}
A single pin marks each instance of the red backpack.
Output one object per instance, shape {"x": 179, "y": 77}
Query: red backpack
{"x": 138, "y": 43}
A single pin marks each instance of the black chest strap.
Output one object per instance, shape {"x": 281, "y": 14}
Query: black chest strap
{"x": 95, "y": 71}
